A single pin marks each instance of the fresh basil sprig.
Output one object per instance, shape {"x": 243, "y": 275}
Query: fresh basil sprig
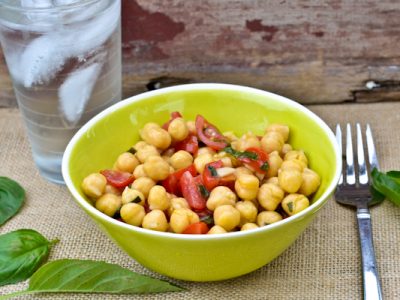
{"x": 87, "y": 276}
{"x": 386, "y": 185}
{"x": 21, "y": 253}
{"x": 12, "y": 196}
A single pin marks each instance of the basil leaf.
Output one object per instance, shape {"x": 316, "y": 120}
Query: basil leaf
{"x": 208, "y": 219}
{"x": 86, "y": 276}
{"x": 388, "y": 185}
{"x": 265, "y": 166}
{"x": 213, "y": 171}
{"x": 203, "y": 191}
{"x": 239, "y": 154}
{"x": 377, "y": 197}
{"x": 21, "y": 253}
{"x": 12, "y": 196}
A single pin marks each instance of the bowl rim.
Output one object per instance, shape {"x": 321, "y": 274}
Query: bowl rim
{"x": 189, "y": 87}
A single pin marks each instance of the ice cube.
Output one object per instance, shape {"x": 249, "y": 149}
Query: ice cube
{"x": 75, "y": 92}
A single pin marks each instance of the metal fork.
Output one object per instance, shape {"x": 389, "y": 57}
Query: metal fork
{"x": 354, "y": 190}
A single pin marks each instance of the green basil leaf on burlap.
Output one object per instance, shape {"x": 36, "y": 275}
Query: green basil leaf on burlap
{"x": 21, "y": 254}
{"x": 12, "y": 197}
{"x": 86, "y": 276}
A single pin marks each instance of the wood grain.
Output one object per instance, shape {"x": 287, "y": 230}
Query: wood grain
{"x": 311, "y": 51}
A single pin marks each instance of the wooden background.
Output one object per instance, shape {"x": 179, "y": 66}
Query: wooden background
{"x": 311, "y": 51}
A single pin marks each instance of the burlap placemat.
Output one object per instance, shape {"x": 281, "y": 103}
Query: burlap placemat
{"x": 324, "y": 263}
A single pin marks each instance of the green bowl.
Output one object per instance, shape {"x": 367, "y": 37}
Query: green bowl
{"x": 232, "y": 108}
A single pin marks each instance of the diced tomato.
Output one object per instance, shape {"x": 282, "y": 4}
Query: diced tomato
{"x": 228, "y": 181}
{"x": 171, "y": 183}
{"x": 190, "y": 144}
{"x": 118, "y": 179}
{"x": 174, "y": 115}
{"x": 196, "y": 228}
{"x": 209, "y": 134}
{"x": 260, "y": 164}
{"x": 191, "y": 193}
{"x": 210, "y": 181}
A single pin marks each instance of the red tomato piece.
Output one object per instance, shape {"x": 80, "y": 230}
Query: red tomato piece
{"x": 118, "y": 179}
{"x": 196, "y": 228}
{"x": 259, "y": 163}
{"x": 209, "y": 134}
{"x": 191, "y": 193}
{"x": 174, "y": 115}
{"x": 210, "y": 181}
{"x": 190, "y": 144}
{"x": 171, "y": 183}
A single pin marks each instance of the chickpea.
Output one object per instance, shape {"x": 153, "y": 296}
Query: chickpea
{"x": 248, "y": 212}
{"x": 227, "y": 217}
{"x": 274, "y": 163}
{"x": 283, "y": 130}
{"x": 132, "y": 195}
{"x": 112, "y": 190}
{"x": 155, "y": 220}
{"x": 158, "y": 198}
{"x": 156, "y": 168}
{"x": 126, "y": 162}
{"x": 246, "y": 141}
{"x": 109, "y": 204}
{"x": 272, "y": 141}
{"x": 177, "y": 202}
{"x": 204, "y": 150}
{"x": 94, "y": 185}
{"x": 246, "y": 186}
{"x": 248, "y": 226}
{"x": 181, "y": 218}
{"x": 201, "y": 160}
{"x": 273, "y": 180}
{"x": 297, "y": 155}
{"x": 191, "y": 125}
{"x": 292, "y": 164}
{"x": 139, "y": 145}
{"x": 270, "y": 196}
{"x": 146, "y": 151}
{"x": 154, "y": 135}
{"x": 169, "y": 152}
{"x": 220, "y": 195}
{"x": 216, "y": 229}
{"x": 178, "y": 129}
{"x": 294, "y": 203}
{"x": 181, "y": 159}
{"x": 268, "y": 217}
{"x": 143, "y": 185}
{"x": 311, "y": 182}
{"x": 139, "y": 172}
{"x": 132, "y": 213}
{"x": 242, "y": 170}
{"x": 227, "y": 160}
{"x": 230, "y": 135}
{"x": 290, "y": 180}
{"x": 286, "y": 148}
{"x": 167, "y": 159}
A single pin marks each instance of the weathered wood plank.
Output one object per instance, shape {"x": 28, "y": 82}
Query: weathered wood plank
{"x": 311, "y": 51}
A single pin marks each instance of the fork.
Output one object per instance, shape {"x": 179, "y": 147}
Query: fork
{"x": 354, "y": 190}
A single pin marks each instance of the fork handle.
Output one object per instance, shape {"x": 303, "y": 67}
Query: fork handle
{"x": 372, "y": 286}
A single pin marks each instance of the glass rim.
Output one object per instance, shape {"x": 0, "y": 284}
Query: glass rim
{"x": 16, "y": 6}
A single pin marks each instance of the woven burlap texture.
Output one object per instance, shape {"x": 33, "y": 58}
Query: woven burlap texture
{"x": 324, "y": 263}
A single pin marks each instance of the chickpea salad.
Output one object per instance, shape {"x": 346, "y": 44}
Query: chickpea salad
{"x": 187, "y": 177}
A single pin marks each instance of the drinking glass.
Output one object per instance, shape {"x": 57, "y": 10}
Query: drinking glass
{"x": 64, "y": 58}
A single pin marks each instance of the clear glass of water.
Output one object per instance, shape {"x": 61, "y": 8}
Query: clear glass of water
{"x": 64, "y": 58}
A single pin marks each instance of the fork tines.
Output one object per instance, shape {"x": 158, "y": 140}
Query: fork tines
{"x": 348, "y": 157}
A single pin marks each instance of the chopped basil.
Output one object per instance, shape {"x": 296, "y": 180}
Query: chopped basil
{"x": 290, "y": 206}
{"x": 132, "y": 150}
{"x": 137, "y": 200}
{"x": 203, "y": 191}
{"x": 240, "y": 154}
{"x": 208, "y": 219}
{"x": 386, "y": 185}
{"x": 212, "y": 171}
{"x": 265, "y": 166}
